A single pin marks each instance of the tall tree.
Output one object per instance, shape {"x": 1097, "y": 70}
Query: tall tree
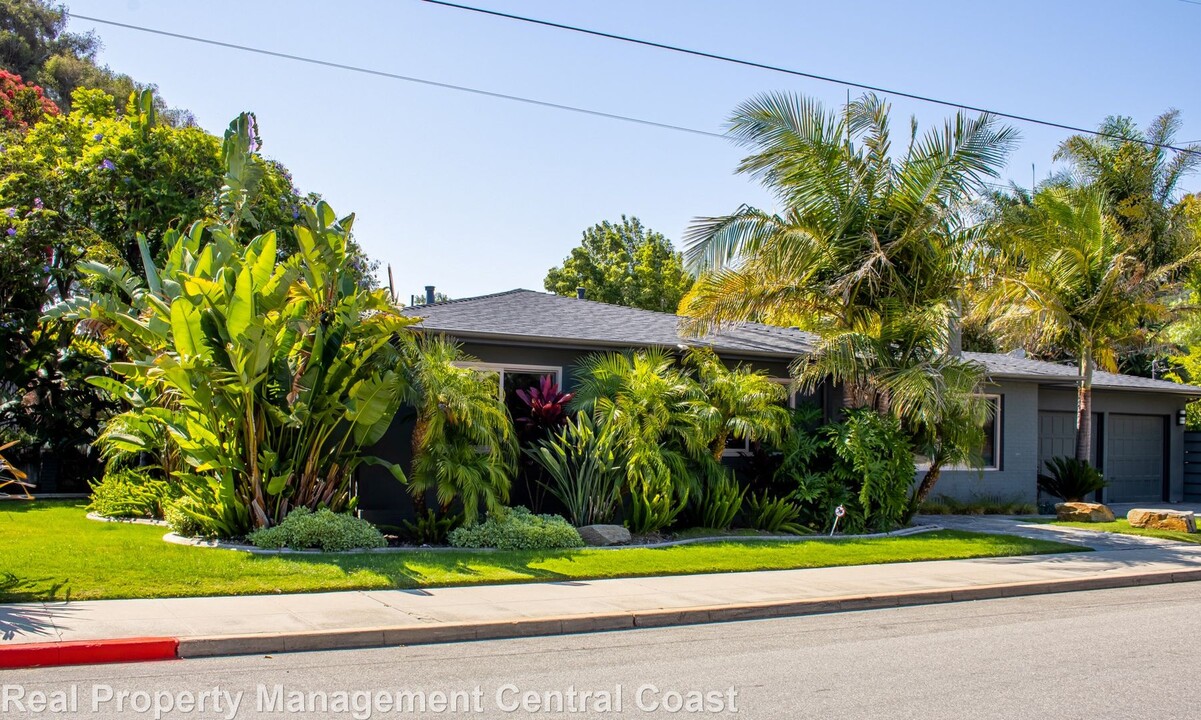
{"x": 623, "y": 264}
{"x": 1139, "y": 180}
{"x": 1072, "y": 281}
{"x": 35, "y": 44}
{"x": 870, "y": 251}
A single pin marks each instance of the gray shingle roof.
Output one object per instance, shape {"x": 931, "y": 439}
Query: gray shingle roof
{"x": 541, "y": 318}
{"x": 1010, "y": 366}
{"x": 530, "y": 316}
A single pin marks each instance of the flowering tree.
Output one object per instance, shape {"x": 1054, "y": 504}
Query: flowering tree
{"x": 22, "y": 104}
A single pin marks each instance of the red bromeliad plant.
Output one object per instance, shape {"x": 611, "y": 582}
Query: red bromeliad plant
{"x": 547, "y": 406}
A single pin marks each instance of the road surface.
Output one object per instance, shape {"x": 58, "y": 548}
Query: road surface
{"x": 1104, "y": 654}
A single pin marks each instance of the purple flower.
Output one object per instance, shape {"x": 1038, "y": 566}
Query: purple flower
{"x": 11, "y": 232}
{"x": 252, "y": 131}
{"x": 37, "y": 203}
{"x": 98, "y": 136}
{"x": 107, "y": 165}
{"x": 12, "y": 212}
{"x": 295, "y": 213}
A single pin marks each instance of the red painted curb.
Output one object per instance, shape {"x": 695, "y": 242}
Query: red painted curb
{"x": 88, "y": 652}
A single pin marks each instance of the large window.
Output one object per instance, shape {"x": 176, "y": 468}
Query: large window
{"x": 511, "y": 378}
{"x": 990, "y": 452}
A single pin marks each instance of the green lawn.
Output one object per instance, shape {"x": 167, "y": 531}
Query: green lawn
{"x": 50, "y": 550}
{"x": 1123, "y": 526}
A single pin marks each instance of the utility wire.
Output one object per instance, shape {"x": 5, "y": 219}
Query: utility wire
{"x": 799, "y": 73}
{"x": 406, "y": 78}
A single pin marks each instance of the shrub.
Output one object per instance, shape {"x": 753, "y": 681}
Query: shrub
{"x": 182, "y": 522}
{"x": 985, "y": 505}
{"x": 1070, "y": 479}
{"x": 129, "y": 492}
{"x": 518, "y": 529}
{"x": 720, "y": 503}
{"x": 774, "y": 515}
{"x": 303, "y": 529}
{"x": 874, "y": 455}
{"x": 651, "y": 510}
{"x": 432, "y": 528}
{"x": 584, "y": 473}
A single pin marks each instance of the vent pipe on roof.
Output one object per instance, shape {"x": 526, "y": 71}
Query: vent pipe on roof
{"x": 580, "y": 292}
{"x": 429, "y": 294}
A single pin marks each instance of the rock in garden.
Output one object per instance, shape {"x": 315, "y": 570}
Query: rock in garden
{"x": 602, "y": 535}
{"x": 1083, "y": 512}
{"x": 1178, "y": 520}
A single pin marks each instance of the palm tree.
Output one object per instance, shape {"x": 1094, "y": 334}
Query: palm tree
{"x": 1073, "y": 282}
{"x": 738, "y": 402}
{"x": 871, "y": 250}
{"x": 464, "y": 446}
{"x": 651, "y": 411}
{"x": 1139, "y": 179}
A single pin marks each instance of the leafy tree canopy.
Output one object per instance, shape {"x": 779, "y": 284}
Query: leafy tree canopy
{"x": 623, "y": 264}
{"x": 35, "y": 44}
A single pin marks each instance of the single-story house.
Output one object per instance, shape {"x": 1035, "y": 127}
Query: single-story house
{"x": 523, "y": 335}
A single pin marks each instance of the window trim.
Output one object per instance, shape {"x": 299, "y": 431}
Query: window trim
{"x": 998, "y": 440}
{"x": 501, "y": 368}
{"x": 745, "y": 450}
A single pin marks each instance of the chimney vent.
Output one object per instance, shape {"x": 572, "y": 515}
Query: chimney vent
{"x": 580, "y": 292}
{"x": 429, "y": 294}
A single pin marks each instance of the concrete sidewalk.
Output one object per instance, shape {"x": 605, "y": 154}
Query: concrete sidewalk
{"x": 278, "y": 623}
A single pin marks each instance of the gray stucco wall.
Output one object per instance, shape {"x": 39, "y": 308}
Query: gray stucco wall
{"x": 1106, "y": 402}
{"x": 1020, "y": 405}
{"x": 1015, "y": 479}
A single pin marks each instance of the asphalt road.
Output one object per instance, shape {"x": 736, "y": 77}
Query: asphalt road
{"x": 1104, "y": 654}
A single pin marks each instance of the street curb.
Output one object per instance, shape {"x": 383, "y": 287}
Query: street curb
{"x": 88, "y": 652}
{"x": 224, "y": 645}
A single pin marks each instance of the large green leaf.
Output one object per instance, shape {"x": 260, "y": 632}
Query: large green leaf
{"x": 372, "y": 403}
{"x": 185, "y": 330}
{"x": 241, "y": 305}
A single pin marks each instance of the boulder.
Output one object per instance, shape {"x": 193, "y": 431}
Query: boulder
{"x": 603, "y": 535}
{"x": 1083, "y": 512}
{"x": 1178, "y": 520}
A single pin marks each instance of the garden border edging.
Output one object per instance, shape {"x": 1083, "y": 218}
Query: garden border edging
{"x": 177, "y": 539}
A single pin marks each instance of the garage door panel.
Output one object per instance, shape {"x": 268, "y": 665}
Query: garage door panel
{"x": 1135, "y": 458}
{"x": 1056, "y": 436}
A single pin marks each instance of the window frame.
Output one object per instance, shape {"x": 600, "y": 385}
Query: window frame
{"x": 998, "y": 440}
{"x": 745, "y": 449}
{"x": 501, "y": 368}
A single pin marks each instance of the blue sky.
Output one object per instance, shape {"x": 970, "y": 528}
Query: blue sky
{"x": 478, "y": 195}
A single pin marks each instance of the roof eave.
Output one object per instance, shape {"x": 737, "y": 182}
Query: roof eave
{"x": 590, "y": 344}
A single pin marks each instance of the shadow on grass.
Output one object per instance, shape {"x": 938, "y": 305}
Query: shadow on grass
{"x": 418, "y": 570}
{"x": 21, "y": 505}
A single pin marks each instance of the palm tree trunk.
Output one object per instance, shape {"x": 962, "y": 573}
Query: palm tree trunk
{"x": 417, "y": 444}
{"x": 929, "y": 480}
{"x": 1084, "y": 410}
{"x": 719, "y": 444}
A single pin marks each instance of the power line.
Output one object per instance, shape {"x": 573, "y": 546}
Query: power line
{"x": 406, "y": 78}
{"x": 799, "y": 73}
